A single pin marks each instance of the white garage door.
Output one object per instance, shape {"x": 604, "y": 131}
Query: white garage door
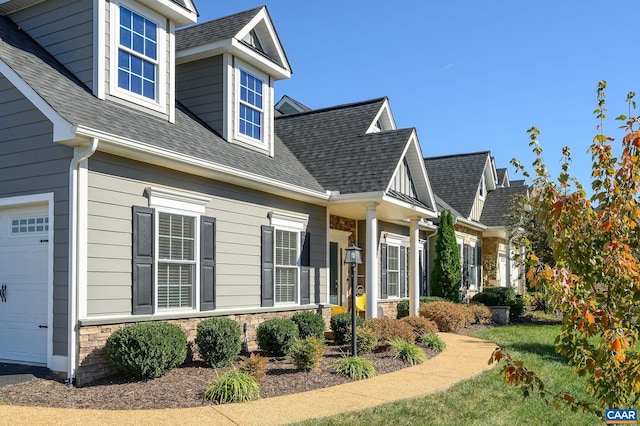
{"x": 23, "y": 284}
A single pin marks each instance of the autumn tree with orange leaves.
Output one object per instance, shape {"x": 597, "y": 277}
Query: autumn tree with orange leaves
{"x": 594, "y": 279}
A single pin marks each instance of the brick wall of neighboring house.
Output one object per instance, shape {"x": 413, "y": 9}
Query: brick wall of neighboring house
{"x": 344, "y": 224}
{"x": 93, "y": 361}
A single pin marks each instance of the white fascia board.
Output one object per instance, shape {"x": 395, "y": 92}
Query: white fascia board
{"x": 259, "y": 61}
{"x": 362, "y": 197}
{"x": 385, "y": 110}
{"x": 419, "y": 211}
{"x": 151, "y": 154}
{"x": 173, "y": 11}
{"x": 62, "y": 129}
{"x": 202, "y": 51}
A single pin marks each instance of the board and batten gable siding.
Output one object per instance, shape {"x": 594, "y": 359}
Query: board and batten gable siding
{"x": 65, "y": 29}
{"x": 199, "y": 86}
{"x": 31, "y": 163}
{"x": 116, "y": 184}
{"x": 476, "y": 209}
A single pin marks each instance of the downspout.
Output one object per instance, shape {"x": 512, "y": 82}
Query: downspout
{"x": 74, "y": 215}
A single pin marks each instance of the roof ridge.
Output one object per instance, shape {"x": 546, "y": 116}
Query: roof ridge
{"x": 334, "y": 107}
{"x": 464, "y": 154}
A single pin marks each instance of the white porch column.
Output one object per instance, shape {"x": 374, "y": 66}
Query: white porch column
{"x": 414, "y": 265}
{"x": 371, "y": 277}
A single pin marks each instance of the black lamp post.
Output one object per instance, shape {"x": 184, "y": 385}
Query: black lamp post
{"x": 353, "y": 258}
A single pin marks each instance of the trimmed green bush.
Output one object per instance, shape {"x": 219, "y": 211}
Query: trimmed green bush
{"x": 233, "y": 386}
{"x": 366, "y": 340}
{"x": 448, "y": 316}
{"x": 276, "y": 335}
{"x": 407, "y": 351}
{"x": 147, "y": 350}
{"x": 501, "y": 296}
{"x": 307, "y": 353}
{"x": 309, "y": 324}
{"x": 341, "y": 325}
{"x": 219, "y": 341}
{"x": 403, "y": 305}
{"x": 355, "y": 367}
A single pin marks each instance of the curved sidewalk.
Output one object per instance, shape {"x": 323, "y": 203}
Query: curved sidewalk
{"x": 464, "y": 357}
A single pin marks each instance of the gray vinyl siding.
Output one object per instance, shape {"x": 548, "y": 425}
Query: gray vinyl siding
{"x": 65, "y": 29}
{"x": 199, "y": 86}
{"x": 116, "y": 184}
{"x": 31, "y": 163}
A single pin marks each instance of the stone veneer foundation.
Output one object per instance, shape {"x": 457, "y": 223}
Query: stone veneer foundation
{"x": 93, "y": 361}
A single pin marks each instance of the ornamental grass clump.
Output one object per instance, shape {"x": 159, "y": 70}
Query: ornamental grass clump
{"x": 219, "y": 341}
{"x": 432, "y": 341}
{"x": 307, "y": 353}
{"x": 276, "y": 335}
{"x": 147, "y": 350}
{"x": 309, "y": 324}
{"x": 233, "y": 386}
{"x": 355, "y": 367}
{"x": 447, "y": 315}
{"x": 407, "y": 351}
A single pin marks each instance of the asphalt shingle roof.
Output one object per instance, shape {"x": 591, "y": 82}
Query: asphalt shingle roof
{"x": 455, "y": 178}
{"x": 218, "y": 29}
{"x": 498, "y": 204}
{"x": 187, "y": 136}
{"x": 333, "y": 145}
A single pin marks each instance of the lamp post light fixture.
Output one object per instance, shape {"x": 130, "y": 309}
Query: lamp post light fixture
{"x": 353, "y": 258}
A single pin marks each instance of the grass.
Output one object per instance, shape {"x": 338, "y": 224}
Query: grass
{"x": 487, "y": 399}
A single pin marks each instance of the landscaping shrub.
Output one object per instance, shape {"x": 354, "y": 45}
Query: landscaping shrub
{"x": 501, "y": 296}
{"x": 147, "y": 350}
{"x": 481, "y": 313}
{"x": 341, "y": 326}
{"x": 233, "y": 386}
{"x": 432, "y": 341}
{"x": 403, "y": 305}
{"x": 307, "y": 353}
{"x": 388, "y": 329}
{"x": 366, "y": 340}
{"x": 407, "y": 351}
{"x": 309, "y": 324}
{"x": 448, "y": 316}
{"x": 355, "y": 367}
{"x": 254, "y": 366}
{"x": 219, "y": 341}
{"x": 276, "y": 335}
{"x": 421, "y": 325}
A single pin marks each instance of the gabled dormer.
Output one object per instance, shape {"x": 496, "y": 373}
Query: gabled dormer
{"x": 226, "y": 72}
{"x": 383, "y": 120}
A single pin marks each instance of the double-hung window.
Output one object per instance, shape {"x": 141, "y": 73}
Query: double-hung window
{"x": 393, "y": 271}
{"x": 137, "y": 54}
{"x": 176, "y": 261}
{"x": 250, "y": 110}
{"x": 286, "y": 265}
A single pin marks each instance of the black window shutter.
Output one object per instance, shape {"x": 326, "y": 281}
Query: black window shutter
{"x": 383, "y": 271}
{"x": 207, "y": 263}
{"x": 465, "y": 269}
{"x": 267, "y": 266}
{"x": 479, "y": 263}
{"x": 403, "y": 271}
{"x": 142, "y": 258}
{"x": 305, "y": 269}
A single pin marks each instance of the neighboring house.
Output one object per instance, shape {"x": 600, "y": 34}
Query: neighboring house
{"x": 479, "y": 196}
{"x": 145, "y": 175}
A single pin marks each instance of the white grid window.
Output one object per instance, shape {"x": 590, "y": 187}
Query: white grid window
{"x": 176, "y": 261}
{"x": 393, "y": 271}
{"x": 286, "y": 266}
{"x": 29, "y": 225}
{"x": 137, "y": 54}
{"x": 250, "y": 111}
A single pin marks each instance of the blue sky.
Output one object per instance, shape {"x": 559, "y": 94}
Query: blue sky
{"x": 468, "y": 75}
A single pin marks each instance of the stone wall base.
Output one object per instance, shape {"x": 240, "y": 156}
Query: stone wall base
{"x": 94, "y": 364}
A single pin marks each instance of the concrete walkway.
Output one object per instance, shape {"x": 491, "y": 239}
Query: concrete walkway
{"x": 464, "y": 357}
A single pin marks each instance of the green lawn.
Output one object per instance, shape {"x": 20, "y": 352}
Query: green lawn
{"x": 487, "y": 399}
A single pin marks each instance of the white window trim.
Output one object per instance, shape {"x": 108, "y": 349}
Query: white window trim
{"x": 168, "y": 201}
{"x": 394, "y": 243}
{"x": 160, "y": 103}
{"x": 482, "y": 188}
{"x": 266, "y": 141}
{"x": 473, "y": 244}
{"x": 291, "y": 223}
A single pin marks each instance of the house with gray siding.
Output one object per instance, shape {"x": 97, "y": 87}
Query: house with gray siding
{"x": 146, "y": 175}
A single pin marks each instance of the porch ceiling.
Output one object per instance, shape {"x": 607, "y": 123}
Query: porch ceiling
{"x": 388, "y": 209}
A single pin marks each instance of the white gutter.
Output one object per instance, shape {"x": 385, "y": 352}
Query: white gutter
{"x": 77, "y": 213}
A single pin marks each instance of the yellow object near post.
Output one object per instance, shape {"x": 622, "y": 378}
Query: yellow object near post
{"x": 361, "y": 304}
{"x": 337, "y": 309}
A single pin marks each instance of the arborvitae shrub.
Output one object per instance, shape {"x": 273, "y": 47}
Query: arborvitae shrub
{"x": 307, "y": 353}
{"x": 147, "y": 350}
{"x": 341, "y": 325}
{"x": 219, "y": 341}
{"x": 447, "y": 315}
{"x": 309, "y": 324}
{"x": 276, "y": 335}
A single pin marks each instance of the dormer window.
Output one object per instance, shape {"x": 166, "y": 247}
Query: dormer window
{"x": 138, "y": 64}
{"x": 250, "y": 105}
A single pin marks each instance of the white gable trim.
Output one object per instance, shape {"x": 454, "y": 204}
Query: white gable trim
{"x": 171, "y": 10}
{"x": 99, "y": 49}
{"x": 384, "y": 117}
{"x": 62, "y": 129}
{"x": 263, "y": 16}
